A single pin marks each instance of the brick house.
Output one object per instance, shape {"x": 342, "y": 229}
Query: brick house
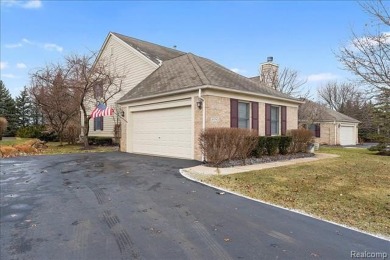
{"x": 169, "y": 97}
{"x": 330, "y": 127}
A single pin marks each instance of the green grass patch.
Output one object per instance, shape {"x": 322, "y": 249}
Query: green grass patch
{"x": 56, "y": 148}
{"x": 353, "y": 189}
{"x": 15, "y": 141}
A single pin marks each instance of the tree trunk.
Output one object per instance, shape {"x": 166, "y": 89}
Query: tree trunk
{"x": 86, "y": 131}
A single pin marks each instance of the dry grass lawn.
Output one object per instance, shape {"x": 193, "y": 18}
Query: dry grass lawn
{"x": 353, "y": 189}
{"x": 22, "y": 146}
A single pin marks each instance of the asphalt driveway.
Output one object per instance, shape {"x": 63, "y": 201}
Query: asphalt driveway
{"x": 122, "y": 206}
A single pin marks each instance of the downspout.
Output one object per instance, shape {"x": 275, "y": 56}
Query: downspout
{"x": 335, "y": 132}
{"x": 203, "y": 115}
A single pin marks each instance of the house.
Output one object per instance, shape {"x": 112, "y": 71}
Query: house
{"x": 169, "y": 97}
{"x": 328, "y": 126}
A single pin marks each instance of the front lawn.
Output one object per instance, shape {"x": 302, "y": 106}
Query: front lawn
{"x": 7, "y": 148}
{"x": 353, "y": 189}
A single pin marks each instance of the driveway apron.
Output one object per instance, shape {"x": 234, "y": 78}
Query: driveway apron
{"x": 126, "y": 206}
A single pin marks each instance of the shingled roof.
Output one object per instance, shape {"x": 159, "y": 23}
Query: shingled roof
{"x": 154, "y": 52}
{"x": 329, "y": 115}
{"x": 188, "y": 71}
{"x": 179, "y": 70}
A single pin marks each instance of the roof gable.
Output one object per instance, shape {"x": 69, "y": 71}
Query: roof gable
{"x": 154, "y": 52}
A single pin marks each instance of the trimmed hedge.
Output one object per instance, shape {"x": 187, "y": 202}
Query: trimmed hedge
{"x": 102, "y": 141}
{"x": 272, "y": 145}
{"x": 284, "y": 144}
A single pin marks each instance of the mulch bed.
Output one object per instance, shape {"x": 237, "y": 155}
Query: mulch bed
{"x": 263, "y": 159}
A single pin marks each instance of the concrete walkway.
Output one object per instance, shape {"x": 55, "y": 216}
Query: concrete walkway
{"x": 204, "y": 170}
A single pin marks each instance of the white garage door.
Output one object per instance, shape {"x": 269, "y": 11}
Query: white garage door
{"x": 165, "y": 132}
{"x": 347, "y": 136}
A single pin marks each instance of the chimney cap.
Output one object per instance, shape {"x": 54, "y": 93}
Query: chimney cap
{"x": 270, "y": 59}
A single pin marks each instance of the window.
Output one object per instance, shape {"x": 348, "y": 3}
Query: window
{"x": 98, "y": 91}
{"x": 243, "y": 115}
{"x": 274, "y": 120}
{"x": 315, "y": 129}
{"x": 98, "y": 123}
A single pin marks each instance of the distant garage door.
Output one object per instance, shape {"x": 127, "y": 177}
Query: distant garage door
{"x": 165, "y": 132}
{"x": 347, "y": 136}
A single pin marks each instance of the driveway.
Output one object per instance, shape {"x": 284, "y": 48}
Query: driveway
{"x": 122, "y": 206}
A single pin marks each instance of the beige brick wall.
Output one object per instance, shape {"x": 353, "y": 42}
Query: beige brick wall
{"x": 327, "y": 134}
{"x": 218, "y": 115}
{"x": 292, "y": 118}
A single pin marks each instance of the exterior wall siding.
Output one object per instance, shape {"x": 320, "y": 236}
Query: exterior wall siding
{"x": 125, "y": 61}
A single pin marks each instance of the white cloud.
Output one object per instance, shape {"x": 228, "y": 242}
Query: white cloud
{"x": 53, "y": 47}
{"x": 33, "y": 4}
{"x": 16, "y": 45}
{"x": 27, "y": 41}
{"x": 29, "y": 4}
{"x": 46, "y": 46}
{"x": 321, "y": 77}
{"x": 367, "y": 41}
{"x": 10, "y": 76}
{"x": 237, "y": 70}
{"x": 21, "y": 65}
{"x": 19, "y": 44}
{"x": 3, "y": 65}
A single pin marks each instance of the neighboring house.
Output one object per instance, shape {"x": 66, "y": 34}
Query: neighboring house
{"x": 169, "y": 96}
{"x": 329, "y": 126}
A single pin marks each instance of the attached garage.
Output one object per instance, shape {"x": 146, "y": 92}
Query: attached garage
{"x": 163, "y": 132}
{"x": 347, "y": 135}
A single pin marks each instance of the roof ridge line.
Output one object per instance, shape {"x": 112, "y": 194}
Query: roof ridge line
{"x": 198, "y": 69}
{"x": 152, "y": 43}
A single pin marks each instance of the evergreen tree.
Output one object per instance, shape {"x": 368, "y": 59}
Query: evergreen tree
{"x": 23, "y": 108}
{"x": 8, "y": 110}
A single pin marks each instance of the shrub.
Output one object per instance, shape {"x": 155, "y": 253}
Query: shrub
{"x": 3, "y": 126}
{"x": 102, "y": 141}
{"x": 272, "y": 144}
{"x": 8, "y": 151}
{"x": 34, "y": 131}
{"x": 284, "y": 144}
{"x": 49, "y": 136}
{"x": 381, "y": 148}
{"x": 221, "y": 144}
{"x": 260, "y": 146}
{"x": 300, "y": 138}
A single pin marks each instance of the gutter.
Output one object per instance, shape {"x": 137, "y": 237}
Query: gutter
{"x": 292, "y": 100}
{"x": 203, "y": 115}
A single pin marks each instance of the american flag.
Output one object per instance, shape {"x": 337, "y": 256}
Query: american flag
{"x": 102, "y": 110}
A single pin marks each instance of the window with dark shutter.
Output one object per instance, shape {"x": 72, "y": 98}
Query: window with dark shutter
{"x": 318, "y": 130}
{"x": 315, "y": 129}
{"x": 284, "y": 120}
{"x": 267, "y": 119}
{"x": 233, "y": 113}
{"x": 255, "y": 116}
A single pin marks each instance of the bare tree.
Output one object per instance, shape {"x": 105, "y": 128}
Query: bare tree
{"x": 290, "y": 83}
{"x": 91, "y": 81}
{"x": 61, "y": 90}
{"x": 368, "y": 55}
{"x": 310, "y": 112}
{"x": 50, "y": 90}
{"x": 338, "y": 96}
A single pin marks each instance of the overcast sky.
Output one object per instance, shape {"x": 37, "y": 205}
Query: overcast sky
{"x": 301, "y": 35}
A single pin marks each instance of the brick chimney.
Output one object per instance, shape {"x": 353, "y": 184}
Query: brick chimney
{"x": 269, "y": 72}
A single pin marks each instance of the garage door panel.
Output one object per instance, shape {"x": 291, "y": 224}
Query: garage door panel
{"x": 347, "y": 136}
{"x": 165, "y": 132}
